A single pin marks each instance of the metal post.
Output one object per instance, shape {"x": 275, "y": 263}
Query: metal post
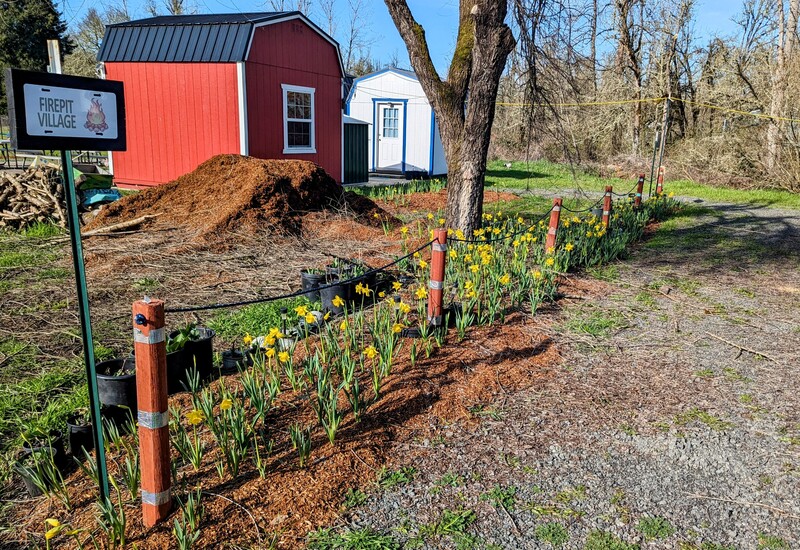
{"x": 656, "y": 146}
{"x": 149, "y": 342}
{"x": 660, "y": 181}
{"x": 86, "y": 321}
{"x": 555, "y": 217}
{"x": 436, "y": 286}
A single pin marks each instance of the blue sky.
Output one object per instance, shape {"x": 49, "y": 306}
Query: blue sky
{"x": 438, "y": 17}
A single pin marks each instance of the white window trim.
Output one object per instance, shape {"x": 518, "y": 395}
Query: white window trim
{"x": 297, "y": 150}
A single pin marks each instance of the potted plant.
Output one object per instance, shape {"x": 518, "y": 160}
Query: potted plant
{"x": 116, "y": 384}
{"x": 333, "y": 296}
{"x": 198, "y": 345}
{"x": 340, "y": 268}
{"x": 29, "y": 465}
{"x": 233, "y": 360}
{"x": 79, "y": 433}
{"x": 178, "y": 360}
{"x": 311, "y": 278}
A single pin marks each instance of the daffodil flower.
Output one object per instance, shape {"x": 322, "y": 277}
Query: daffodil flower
{"x": 421, "y": 293}
{"x": 301, "y": 311}
{"x": 423, "y": 264}
{"x": 549, "y": 262}
{"x": 568, "y": 247}
{"x": 283, "y": 357}
{"x": 247, "y": 340}
{"x": 271, "y": 352}
{"x": 397, "y": 286}
{"x": 227, "y": 403}
{"x": 194, "y": 417}
{"x": 397, "y": 328}
{"x": 337, "y": 301}
{"x": 505, "y": 279}
{"x": 370, "y": 352}
{"x": 442, "y": 221}
{"x": 310, "y": 319}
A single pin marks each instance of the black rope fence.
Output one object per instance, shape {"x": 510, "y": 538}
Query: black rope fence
{"x": 263, "y": 300}
{"x": 504, "y": 237}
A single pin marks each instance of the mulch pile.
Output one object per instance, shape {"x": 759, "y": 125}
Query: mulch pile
{"x": 231, "y": 193}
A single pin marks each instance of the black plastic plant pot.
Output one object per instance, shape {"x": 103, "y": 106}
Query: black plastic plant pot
{"x": 232, "y": 361}
{"x": 178, "y": 363}
{"x": 201, "y": 353}
{"x": 79, "y": 435}
{"x": 26, "y": 462}
{"x": 310, "y": 281}
{"x": 344, "y": 271}
{"x": 53, "y": 441}
{"x": 328, "y": 295}
{"x": 597, "y": 212}
{"x": 116, "y": 383}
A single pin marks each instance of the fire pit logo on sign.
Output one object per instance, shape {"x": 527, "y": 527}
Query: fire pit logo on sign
{"x": 95, "y": 117}
{"x": 67, "y": 112}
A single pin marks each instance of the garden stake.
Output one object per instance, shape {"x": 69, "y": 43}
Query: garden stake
{"x": 436, "y": 295}
{"x": 637, "y": 202}
{"x": 607, "y": 206}
{"x": 555, "y": 216}
{"x": 660, "y": 181}
{"x": 151, "y": 391}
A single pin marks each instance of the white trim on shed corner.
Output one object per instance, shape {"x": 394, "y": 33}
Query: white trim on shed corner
{"x": 312, "y": 148}
{"x": 308, "y": 22}
{"x": 244, "y": 139}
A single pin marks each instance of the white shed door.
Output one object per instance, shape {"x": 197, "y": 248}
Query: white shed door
{"x": 390, "y": 136}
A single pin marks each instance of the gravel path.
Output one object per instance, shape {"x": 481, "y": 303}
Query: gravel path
{"x": 673, "y": 420}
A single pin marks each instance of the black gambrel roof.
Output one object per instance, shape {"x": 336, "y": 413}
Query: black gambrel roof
{"x": 212, "y": 38}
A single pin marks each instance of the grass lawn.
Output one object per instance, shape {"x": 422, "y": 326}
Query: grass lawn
{"x": 542, "y": 174}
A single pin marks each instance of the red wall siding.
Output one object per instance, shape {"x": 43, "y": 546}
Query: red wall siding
{"x": 178, "y": 115}
{"x": 292, "y": 53}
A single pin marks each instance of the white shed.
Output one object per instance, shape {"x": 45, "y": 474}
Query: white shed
{"x": 403, "y": 134}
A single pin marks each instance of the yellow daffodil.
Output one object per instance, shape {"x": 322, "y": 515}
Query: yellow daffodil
{"x": 474, "y": 268}
{"x": 310, "y": 318}
{"x": 337, "y": 301}
{"x": 270, "y": 352}
{"x": 550, "y": 249}
{"x": 52, "y": 522}
{"x": 194, "y": 417}
{"x": 416, "y": 255}
{"x": 537, "y": 274}
{"x": 247, "y": 340}
{"x": 471, "y": 294}
{"x": 520, "y": 221}
{"x": 376, "y": 215}
{"x": 568, "y": 247}
{"x": 670, "y": 194}
{"x": 496, "y": 230}
{"x": 52, "y": 533}
{"x": 430, "y": 216}
{"x": 370, "y": 352}
{"x": 549, "y": 262}
{"x": 459, "y": 234}
{"x": 397, "y": 285}
{"x": 589, "y": 234}
{"x": 301, "y": 311}
{"x": 566, "y": 223}
{"x": 381, "y": 294}
{"x": 441, "y": 221}
{"x": 423, "y": 264}
{"x": 343, "y": 325}
{"x": 269, "y": 340}
{"x": 515, "y": 244}
{"x": 505, "y": 279}
{"x": 227, "y": 403}
{"x": 404, "y": 230}
{"x": 397, "y": 328}
{"x": 404, "y": 308}
{"x": 469, "y": 285}
{"x": 421, "y": 293}
{"x": 326, "y": 316}
{"x": 283, "y": 357}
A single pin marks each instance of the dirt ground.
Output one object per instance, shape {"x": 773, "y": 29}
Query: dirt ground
{"x": 671, "y": 421}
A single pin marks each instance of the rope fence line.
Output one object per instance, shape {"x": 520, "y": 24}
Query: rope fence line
{"x": 225, "y": 305}
{"x": 653, "y": 100}
{"x": 504, "y": 237}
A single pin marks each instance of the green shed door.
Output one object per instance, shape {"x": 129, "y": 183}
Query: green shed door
{"x": 356, "y": 148}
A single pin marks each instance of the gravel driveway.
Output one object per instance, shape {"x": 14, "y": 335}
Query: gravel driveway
{"x": 673, "y": 420}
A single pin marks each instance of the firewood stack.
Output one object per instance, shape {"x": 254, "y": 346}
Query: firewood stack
{"x": 35, "y": 195}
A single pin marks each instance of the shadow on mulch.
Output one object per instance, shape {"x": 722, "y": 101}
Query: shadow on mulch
{"x": 290, "y": 501}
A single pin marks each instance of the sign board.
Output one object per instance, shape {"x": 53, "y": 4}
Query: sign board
{"x": 53, "y": 111}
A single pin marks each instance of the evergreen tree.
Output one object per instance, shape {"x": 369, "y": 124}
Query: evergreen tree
{"x": 25, "y": 28}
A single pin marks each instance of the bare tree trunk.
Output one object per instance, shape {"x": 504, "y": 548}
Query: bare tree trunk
{"x": 629, "y": 53}
{"x": 482, "y": 47}
{"x": 787, "y": 37}
{"x": 593, "y": 45}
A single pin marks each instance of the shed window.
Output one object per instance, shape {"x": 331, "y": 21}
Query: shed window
{"x": 390, "y": 122}
{"x": 298, "y": 119}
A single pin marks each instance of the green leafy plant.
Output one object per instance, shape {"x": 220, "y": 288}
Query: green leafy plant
{"x": 553, "y": 533}
{"x": 301, "y": 442}
{"x": 112, "y": 519}
{"x": 654, "y": 528}
{"x": 187, "y": 530}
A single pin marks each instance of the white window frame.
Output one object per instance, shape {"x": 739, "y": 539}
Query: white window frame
{"x": 297, "y": 150}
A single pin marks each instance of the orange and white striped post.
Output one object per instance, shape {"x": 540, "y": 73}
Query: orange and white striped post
{"x": 660, "y": 181}
{"x": 436, "y": 284}
{"x": 555, "y": 217}
{"x": 607, "y": 206}
{"x": 149, "y": 337}
{"x": 637, "y": 202}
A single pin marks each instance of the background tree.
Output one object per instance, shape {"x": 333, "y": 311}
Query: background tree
{"x": 483, "y": 43}
{"x": 25, "y": 27}
{"x": 87, "y": 38}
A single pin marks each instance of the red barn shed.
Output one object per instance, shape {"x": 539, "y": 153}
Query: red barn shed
{"x": 269, "y": 85}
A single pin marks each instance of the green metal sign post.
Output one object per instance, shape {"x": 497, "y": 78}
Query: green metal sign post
{"x": 86, "y": 320}
{"x": 56, "y": 112}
